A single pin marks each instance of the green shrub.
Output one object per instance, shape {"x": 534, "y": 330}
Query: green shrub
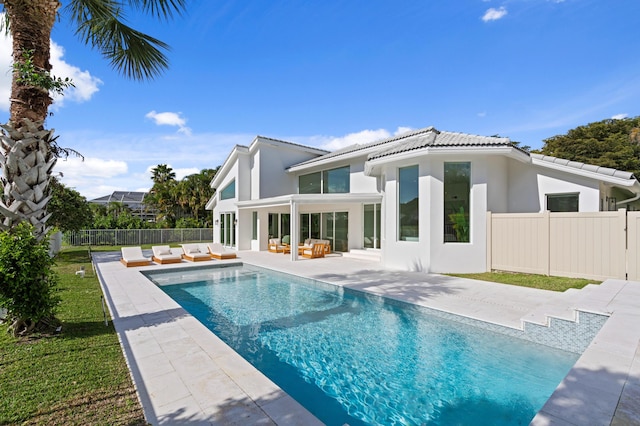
{"x": 27, "y": 281}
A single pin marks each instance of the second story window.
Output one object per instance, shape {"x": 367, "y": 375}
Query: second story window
{"x": 228, "y": 191}
{"x": 333, "y": 181}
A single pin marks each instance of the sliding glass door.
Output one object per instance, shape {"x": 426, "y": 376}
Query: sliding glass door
{"x": 228, "y": 229}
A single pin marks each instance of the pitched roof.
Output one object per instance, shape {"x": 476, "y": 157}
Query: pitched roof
{"x": 583, "y": 166}
{"x": 434, "y": 138}
{"x": 415, "y": 139}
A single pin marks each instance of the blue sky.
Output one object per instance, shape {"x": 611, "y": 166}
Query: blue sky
{"x": 330, "y": 73}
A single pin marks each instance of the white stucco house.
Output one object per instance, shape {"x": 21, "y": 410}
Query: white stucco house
{"x": 419, "y": 199}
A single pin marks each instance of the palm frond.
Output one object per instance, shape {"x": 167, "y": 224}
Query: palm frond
{"x": 101, "y": 24}
{"x": 163, "y": 9}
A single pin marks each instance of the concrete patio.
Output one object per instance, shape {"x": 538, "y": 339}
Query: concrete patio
{"x": 184, "y": 374}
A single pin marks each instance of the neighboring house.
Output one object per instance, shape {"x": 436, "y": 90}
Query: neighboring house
{"x": 420, "y": 199}
{"x": 132, "y": 200}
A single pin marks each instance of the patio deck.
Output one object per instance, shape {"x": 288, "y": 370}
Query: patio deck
{"x": 184, "y": 374}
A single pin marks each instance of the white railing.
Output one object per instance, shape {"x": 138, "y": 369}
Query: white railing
{"x": 135, "y": 237}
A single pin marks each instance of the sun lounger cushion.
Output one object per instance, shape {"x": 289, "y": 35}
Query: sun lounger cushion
{"x": 132, "y": 256}
{"x": 217, "y": 251}
{"x": 163, "y": 254}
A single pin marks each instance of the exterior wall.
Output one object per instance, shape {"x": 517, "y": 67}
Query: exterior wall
{"x": 529, "y": 185}
{"x": 405, "y": 255}
{"x": 274, "y": 180}
{"x": 359, "y": 183}
{"x": 431, "y": 253}
{"x": 255, "y": 174}
{"x": 446, "y": 257}
{"x": 225, "y": 206}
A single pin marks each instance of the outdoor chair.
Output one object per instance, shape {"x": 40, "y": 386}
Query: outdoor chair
{"x": 132, "y": 256}
{"x": 195, "y": 253}
{"x": 275, "y": 246}
{"x": 217, "y": 251}
{"x": 163, "y": 254}
{"x": 316, "y": 250}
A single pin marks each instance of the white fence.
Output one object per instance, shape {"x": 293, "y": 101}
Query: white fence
{"x": 596, "y": 245}
{"x": 135, "y": 237}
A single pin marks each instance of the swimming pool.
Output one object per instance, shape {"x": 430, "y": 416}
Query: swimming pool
{"x": 350, "y": 358}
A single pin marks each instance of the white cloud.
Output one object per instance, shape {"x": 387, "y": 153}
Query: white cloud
{"x": 170, "y": 119}
{"x": 359, "y": 138}
{"x": 493, "y": 14}
{"x": 482, "y": 114}
{"x": 620, "y": 116}
{"x": 91, "y": 167}
{"x": 85, "y": 84}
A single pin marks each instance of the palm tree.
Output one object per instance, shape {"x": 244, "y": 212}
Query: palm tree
{"x": 28, "y": 151}
{"x": 162, "y": 174}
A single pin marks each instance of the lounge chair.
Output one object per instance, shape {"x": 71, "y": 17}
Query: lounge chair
{"x": 132, "y": 256}
{"x": 195, "y": 252}
{"x": 275, "y": 246}
{"x": 316, "y": 250}
{"x": 163, "y": 254}
{"x": 217, "y": 251}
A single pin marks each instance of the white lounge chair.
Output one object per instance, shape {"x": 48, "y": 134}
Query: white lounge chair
{"x": 217, "y": 251}
{"x": 195, "y": 252}
{"x": 132, "y": 256}
{"x": 163, "y": 254}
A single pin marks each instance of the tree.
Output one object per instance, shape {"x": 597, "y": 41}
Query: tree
{"x": 608, "y": 143}
{"x": 28, "y": 151}
{"x": 162, "y": 174}
{"x": 70, "y": 211}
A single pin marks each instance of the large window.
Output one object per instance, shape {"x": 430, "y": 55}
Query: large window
{"x": 229, "y": 191}
{"x": 408, "y": 213}
{"x": 563, "y": 202}
{"x": 310, "y": 184}
{"x": 326, "y": 182}
{"x": 336, "y": 180}
{"x": 457, "y": 196}
{"x": 279, "y": 225}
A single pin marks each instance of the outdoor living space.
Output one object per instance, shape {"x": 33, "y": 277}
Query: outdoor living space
{"x": 184, "y": 373}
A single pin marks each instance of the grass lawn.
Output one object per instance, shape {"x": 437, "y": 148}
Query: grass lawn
{"x": 542, "y": 282}
{"x": 76, "y": 377}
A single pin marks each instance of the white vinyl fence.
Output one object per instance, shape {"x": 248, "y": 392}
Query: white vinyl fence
{"x": 597, "y": 245}
{"x": 135, "y": 237}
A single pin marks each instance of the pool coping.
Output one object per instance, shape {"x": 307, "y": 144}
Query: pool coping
{"x": 185, "y": 374}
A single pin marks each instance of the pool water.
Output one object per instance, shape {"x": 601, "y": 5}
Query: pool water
{"x": 351, "y": 358}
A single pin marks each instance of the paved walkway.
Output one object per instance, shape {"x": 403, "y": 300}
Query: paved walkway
{"x": 184, "y": 374}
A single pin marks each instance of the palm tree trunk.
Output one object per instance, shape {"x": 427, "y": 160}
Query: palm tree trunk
{"x": 26, "y": 156}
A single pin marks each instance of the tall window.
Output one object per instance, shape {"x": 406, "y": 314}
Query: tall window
{"x": 228, "y": 229}
{"x": 408, "y": 214}
{"x": 332, "y": 181}
{"x": 229, "y": 191}
{"x": 371, "y": 226}
{"x": 254, "y": 224}
{"x": 457, "y": 196}
{"x": 279, "y": 225}
{"x": 563, "y": 202}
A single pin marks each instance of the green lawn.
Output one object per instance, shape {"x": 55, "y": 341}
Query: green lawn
{"x": 76, "y": 377}
{"x": 542, "y": 282}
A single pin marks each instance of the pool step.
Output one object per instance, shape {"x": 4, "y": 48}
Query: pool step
{"x": 363, "y": 254}
{"x": 592, "y": 298}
